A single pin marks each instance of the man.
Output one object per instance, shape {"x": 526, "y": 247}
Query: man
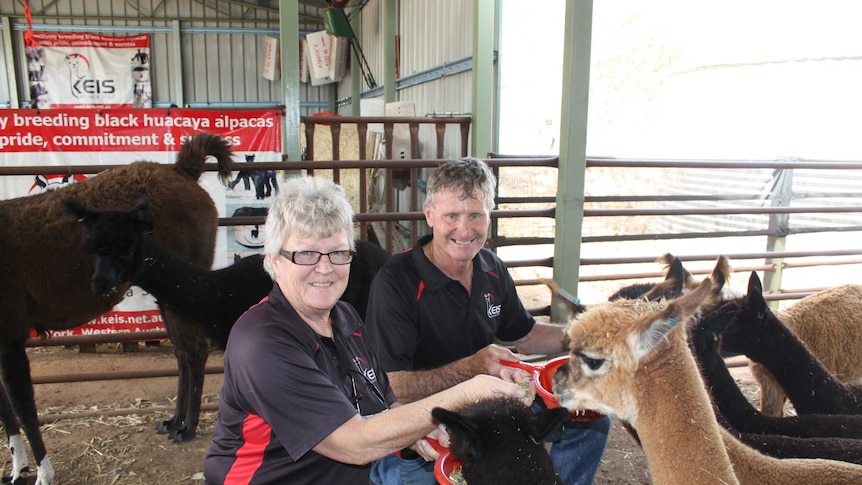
{"x": 435, "y": 310}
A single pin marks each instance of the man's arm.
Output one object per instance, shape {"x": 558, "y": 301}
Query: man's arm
{"x": 411, "y": 386}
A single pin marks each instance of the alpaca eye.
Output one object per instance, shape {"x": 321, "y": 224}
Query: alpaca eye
{"x": 592, "y": 363}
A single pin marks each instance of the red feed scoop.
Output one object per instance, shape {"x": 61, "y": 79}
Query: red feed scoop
{"x": 543, "y": 374}
{"x": 445, "y": 464}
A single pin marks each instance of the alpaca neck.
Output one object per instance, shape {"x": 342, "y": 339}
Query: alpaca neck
{"x": 675, "y": 421}
{"x": 167, "y": 277}
{"x": 726, "y": 395}
{"x": 800, "y": 374}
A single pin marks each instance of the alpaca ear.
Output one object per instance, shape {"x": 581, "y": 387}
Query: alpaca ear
{"x": 546, "y": 422}
{"x": 661, "y": 289}
{"x": 755, "y": 291}
{"x": 142, "y": 215}
{"x": 650, "y": 333}
{"x": 720, "y": 274}
{"x": 75, "y": 210}
{"x": 466, "y": 429}
{"x": 678, "y": 274}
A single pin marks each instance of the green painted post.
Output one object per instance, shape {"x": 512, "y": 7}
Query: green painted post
{"x": 288, "y": 21}
{"x": 573, "y": 148}
{"x": 484, "y": 39}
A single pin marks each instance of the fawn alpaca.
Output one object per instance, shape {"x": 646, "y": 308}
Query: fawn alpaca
{"x": 631, "y": 359}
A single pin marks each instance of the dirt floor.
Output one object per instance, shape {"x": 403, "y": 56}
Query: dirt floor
{"x": 120, "y": 446}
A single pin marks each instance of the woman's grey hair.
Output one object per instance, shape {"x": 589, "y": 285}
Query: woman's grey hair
{"x": 306, "y": 207}
{"x": 467, "y": 175}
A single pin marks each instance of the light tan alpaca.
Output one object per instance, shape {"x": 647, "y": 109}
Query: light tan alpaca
{"x": 829, "y": 323}
{"x": 630, "y": 359}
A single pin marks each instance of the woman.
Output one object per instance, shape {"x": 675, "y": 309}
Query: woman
{"x": 303, "y": 395}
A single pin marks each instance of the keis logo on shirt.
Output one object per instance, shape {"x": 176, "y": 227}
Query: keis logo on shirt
{"x": 366, "y": 371}
{"x": 493, "y": 308}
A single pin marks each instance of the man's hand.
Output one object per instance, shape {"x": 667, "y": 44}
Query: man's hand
{"x": 487, "y": 360}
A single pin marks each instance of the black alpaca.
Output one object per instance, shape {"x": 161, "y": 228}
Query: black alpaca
{"x": 706, "y": 341}
{"x": 673, "y": 271}
{"x": 756, "y": 332}
{"x": 499, "y": 441}
{"x": 46, "y": 276}
{"x": 125, "y": 252}
{"x": 832, "y": 436}
{"x": 244, "y": 175}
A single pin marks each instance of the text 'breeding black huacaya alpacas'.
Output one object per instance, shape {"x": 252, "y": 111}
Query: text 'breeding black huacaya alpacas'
{"x": 45, "y": 278}
{"x": 756, "y": 331}
{"x": 125, "y": 252}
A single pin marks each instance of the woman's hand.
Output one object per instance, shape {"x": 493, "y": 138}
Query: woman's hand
{"x": 489, "y": 387}
{"x": 520, "y": 377}
{"x": 426, "y": 449}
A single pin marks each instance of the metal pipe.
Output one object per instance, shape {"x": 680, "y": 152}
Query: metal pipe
{"x": 117, "y": 376}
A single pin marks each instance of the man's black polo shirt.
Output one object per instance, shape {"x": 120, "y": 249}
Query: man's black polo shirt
{"x": 418, "y": 318}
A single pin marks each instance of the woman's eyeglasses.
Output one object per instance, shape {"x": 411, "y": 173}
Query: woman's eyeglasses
{"x": 310, "y": 258}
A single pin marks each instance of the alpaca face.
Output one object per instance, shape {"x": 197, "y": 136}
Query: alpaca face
{"x": 499, "y": 441}
{"x": 114, "y": 238}
{"x": 600, "y": 360}
{"x": 609, "y": 342}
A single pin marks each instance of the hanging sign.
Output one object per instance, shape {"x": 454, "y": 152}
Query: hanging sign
{"x": 84, "y": 70}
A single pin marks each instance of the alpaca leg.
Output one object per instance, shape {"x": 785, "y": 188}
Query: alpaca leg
{"x": 17, "y": 383}
{"x": 195, "y": 379}
{"x": 772, "y": 396}
{"x": 191, "y": 350}
{"x": 258, "y": 186}
{"x": 20, "y": 463}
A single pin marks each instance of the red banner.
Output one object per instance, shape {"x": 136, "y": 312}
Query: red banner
{"x": 119, "y": 136}
{"x": 134, "y": 130}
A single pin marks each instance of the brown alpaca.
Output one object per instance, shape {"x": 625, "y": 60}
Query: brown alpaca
{"x": 631, "y": 359}
{"x": 829, "y": 323}
{"x": 46, "y": 276}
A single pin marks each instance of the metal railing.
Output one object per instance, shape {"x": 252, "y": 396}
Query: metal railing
{"x": 766, "y": 259}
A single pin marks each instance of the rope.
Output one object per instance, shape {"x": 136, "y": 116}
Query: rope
{"x": 28, "y": 35}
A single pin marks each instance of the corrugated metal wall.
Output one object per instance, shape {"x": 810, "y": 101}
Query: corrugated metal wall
{"x": 431, "y": 36}
{"x": 219, "y": 58}
{"x": 221, "y": 44}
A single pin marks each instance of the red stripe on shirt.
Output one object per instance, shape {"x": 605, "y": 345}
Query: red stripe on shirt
{"x": 256, "y": 434}
{"x": 493, "y": 274}
{"x": 419, "y": 293}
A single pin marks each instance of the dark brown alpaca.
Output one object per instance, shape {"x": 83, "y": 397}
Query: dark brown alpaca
{"x": 46, "y": 279}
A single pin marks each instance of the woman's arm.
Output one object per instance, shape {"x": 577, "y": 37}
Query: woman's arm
{"x": 411, "y": 386}
{"x": 362, "y": 440}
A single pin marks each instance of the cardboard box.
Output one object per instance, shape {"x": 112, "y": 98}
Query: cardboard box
{"x": 303, "y": 61}
{"x": 319, "y": 57}
{"x": 340, "y": 57}
{"x": 271, "y": 65}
